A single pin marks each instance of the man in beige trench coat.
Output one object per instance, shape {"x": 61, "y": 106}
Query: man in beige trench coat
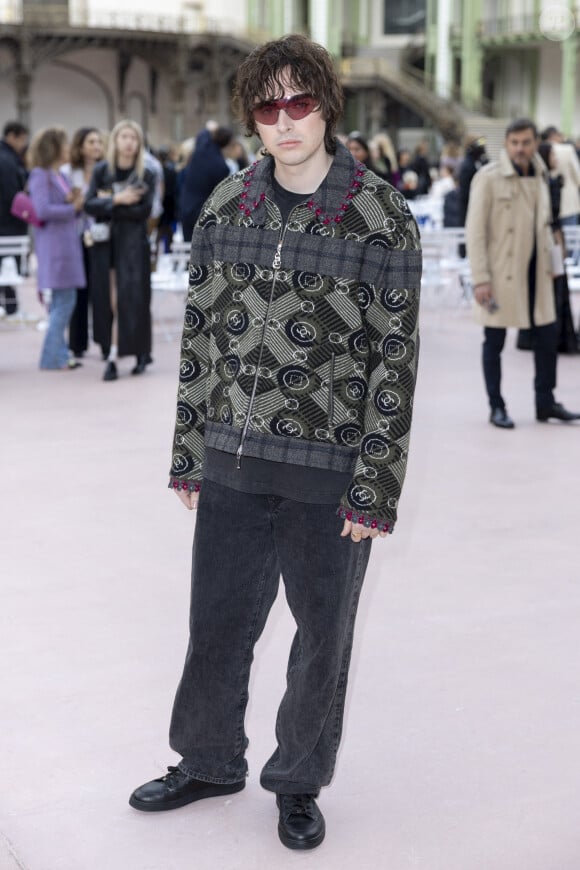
{"x": 509, "y": 242}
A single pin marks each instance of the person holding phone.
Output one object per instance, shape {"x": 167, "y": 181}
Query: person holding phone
{"x": 85, "y": 151}
{"x": 57, "y": 244}
{"x": 509, "y": 242}
{"x": 120, "y": 197}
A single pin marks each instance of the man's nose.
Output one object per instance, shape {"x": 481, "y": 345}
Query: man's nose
{"x": 284, "y": 121}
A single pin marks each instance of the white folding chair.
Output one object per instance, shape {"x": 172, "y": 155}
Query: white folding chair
{"x": 170, "y": 280}
{"x": 14, "y": 251}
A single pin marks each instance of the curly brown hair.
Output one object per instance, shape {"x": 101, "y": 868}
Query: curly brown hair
{"x": 46, "y": 147}
{"x": 295, "y": 58}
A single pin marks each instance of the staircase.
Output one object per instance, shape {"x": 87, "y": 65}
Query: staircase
{"x": 493, "y": 129}
{"x": 448, "y": 116}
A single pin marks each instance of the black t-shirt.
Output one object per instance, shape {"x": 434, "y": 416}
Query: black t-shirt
{"x": 262, "y": 476}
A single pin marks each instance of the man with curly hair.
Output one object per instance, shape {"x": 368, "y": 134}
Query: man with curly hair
{"x": 298, "y": 367}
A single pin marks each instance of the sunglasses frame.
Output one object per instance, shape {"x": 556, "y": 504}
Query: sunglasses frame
{"x": 287, "y": 104}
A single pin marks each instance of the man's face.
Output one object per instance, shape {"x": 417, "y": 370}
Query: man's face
{"x": 294, "y": 143}
{"x": 18, "y": 143}
{"x": 521, "y": 147}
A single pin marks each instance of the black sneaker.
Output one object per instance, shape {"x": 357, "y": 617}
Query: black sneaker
{"x": 176, "y": 789}
{"x": 301, "y": 824}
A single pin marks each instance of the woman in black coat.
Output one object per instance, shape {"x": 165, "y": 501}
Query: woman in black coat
{"x": 120, "y": 197}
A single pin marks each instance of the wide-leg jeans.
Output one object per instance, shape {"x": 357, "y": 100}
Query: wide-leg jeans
{"x": 55, "y": 352}
{"x": 242, "y": 543}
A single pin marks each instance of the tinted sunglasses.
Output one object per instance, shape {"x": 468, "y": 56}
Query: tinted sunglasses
{"x": 296, "y": 107}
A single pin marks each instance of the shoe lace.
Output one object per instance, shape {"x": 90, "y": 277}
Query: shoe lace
{"x": 298, "y": 805}
{"x": 173, "y": 776}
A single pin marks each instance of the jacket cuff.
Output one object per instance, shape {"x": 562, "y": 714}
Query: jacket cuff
{"x": 186, "y": 485}
{"x": 365, "y": 520}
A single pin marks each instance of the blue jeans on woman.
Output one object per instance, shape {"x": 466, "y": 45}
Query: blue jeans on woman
{"x": 243, "y": 542}
{"x": 55, "y": 353}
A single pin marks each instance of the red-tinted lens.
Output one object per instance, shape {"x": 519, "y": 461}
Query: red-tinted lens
{"x": 296, "y": 107}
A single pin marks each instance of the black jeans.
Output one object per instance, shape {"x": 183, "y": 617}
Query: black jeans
{"x": 544, "y": 345}
{"x": 242, "y": 543}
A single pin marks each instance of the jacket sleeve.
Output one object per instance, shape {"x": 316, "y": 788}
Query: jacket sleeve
{"x": 98, "y": 207}
{"x": 39, "y": 186}
{"x": 194, "y": 367}
{"x": 103, "y": 207}
{"x": 476, "y": 228}
{"x": 391, "y": 323}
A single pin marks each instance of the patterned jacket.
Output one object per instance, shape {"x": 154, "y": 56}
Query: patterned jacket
{"x": 300, "y": 343}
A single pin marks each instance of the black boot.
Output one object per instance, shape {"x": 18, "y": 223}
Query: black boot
{"x": 111, "y": 373}
{"x": 141, "y": 363}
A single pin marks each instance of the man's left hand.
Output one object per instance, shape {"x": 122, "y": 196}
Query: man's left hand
{"x": 358, "y": 533}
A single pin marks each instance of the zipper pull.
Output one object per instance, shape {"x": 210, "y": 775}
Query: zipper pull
{"x": 239, "y": 457}
{"x": 277, "y": 258}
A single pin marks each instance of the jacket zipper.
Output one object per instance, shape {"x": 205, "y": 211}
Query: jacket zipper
{"x": 331, "y": 391}
{"x": 276, "y": 267}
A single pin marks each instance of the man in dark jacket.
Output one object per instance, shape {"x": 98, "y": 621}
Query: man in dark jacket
{"x": 12, "y": 179}
{"x": 297, "y": 375}
{"x": 475, "y": 158}
{"x": 206, "y": 168}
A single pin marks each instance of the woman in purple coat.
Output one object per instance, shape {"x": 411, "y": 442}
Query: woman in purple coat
{"x": 57, "y": 243}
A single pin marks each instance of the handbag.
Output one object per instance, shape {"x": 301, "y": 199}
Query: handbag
{"x": 100, "y": 233}
{"x": 24, "y": 210}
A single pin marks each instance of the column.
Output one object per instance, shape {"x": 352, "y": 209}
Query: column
{"x": 320, "y": 23}
{"x": 568, "y": 88}
{"x": 471, "y": 54}
{"x": 443, "y": 68}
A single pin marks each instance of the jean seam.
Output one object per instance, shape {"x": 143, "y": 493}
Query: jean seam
{"x": 246, "y": 663}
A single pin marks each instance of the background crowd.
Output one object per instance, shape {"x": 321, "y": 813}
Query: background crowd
{"x": 105, "y": 201}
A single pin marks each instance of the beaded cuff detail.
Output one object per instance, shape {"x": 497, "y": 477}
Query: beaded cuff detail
{"x": 186, "y": 485}
{"x": 365, "y": 520}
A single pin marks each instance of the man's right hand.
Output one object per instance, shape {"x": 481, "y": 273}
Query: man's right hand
{"x": 483, "y": 294}
{"x": 189, "y": 499}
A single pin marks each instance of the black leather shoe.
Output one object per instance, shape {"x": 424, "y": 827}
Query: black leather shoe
{"x": 500, "y": 418}
{"x": 556, "y": 412}
{"x": 141, "y": 364}
{"x": 301, "y": 824}
{"x": 176, "y": 789}
{"x": 111, "y": 373}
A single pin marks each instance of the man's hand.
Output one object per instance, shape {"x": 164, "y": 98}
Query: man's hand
{"x": 483, "y": 294}
{"x": 358, "y": 532}
{"x": 189, "y": 499}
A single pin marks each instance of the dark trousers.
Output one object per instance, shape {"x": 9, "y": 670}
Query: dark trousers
{"x": 242, "y": 543}
{"x": 78, "y": 330}
{"x": 544, "y": 345}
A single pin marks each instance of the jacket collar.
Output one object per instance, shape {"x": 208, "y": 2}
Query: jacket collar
{"x": 507, "y": 167}
{"x": 338, "y": 187}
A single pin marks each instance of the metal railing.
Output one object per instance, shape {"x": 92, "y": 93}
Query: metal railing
{"x": 79, "y": 16}
{"x": 452, "y": 92}
{"x": 511, "y": 25}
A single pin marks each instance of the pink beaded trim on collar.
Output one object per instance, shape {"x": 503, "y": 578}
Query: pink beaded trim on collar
{"x": 248, "y": 208}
